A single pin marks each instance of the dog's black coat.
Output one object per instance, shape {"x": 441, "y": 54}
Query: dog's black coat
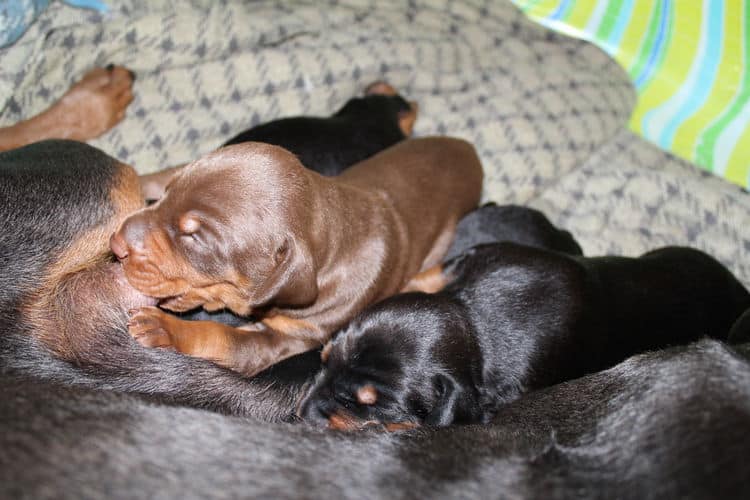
{"x": 517, "y": 319}
{"x": 48, "y": 192}
{"x": 362, "y": 127}
{"x": 493, "y": 223}
{"x": 668, "y": 424}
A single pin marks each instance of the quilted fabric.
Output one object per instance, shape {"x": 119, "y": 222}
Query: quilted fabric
{"x": 546, "y": 113}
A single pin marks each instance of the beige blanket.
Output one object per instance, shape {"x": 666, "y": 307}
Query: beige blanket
{"x": 546, "y": 113}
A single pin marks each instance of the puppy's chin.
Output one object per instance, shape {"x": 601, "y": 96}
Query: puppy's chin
{"x": 148, "y": 278}
{"x": 123, "y": 292}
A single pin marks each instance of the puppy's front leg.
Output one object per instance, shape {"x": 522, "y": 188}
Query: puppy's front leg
{"x": 428, "y": 281}
{"x": 249, "y": 349}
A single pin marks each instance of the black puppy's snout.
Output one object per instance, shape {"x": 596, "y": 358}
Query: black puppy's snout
{"x": 129, "y": 237}
{"x": 315, "y": 411}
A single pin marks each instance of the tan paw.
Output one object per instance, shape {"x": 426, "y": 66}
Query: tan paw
{"x": 94, "y": 104}
{"x": 149, "y": 327}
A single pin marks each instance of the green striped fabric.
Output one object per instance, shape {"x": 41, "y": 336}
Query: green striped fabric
{"x": 689, "y": 63}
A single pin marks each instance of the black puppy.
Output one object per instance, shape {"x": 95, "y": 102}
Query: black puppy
{"x": 515, "y": 319}
{"x": 669, "y": 424}
{"x": 328, "y": 145}
{"x": 493, "y": 223}
{"x": 362, "y": 127}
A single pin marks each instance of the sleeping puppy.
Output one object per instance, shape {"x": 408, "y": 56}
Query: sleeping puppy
{"x": 514, "y": 319}
{"x": 328, "y": 145}
{"x": 248, "y": 228}
{"x": 493, "y": 223}
{"x": 668, "y": 424}
{"x": 64, "y": 299}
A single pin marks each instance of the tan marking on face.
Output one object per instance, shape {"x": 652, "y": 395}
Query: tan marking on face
{"x": 367, "y": 395}
{"x": 211, "y": 297}
{"x": 159, "y": 271}
{"x": 189, "y": 223}
{"x": 344, "y": 421}
{"x": 406, "y": 119}
{"x": 400, "y": 426}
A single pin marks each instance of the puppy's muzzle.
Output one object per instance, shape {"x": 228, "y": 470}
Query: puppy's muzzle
{"x": 315, "y": 412}
{"x": 130, "y": 237}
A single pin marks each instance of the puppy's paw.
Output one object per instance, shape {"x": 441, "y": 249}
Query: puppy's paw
{"x": 92, "y": 105}
{"x": 149, "y": 326}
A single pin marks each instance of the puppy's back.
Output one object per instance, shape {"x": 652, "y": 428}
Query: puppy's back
{"x": 423, "y": 174}
{"x": 550, "y": 316}
{"x": 677, "y": 292}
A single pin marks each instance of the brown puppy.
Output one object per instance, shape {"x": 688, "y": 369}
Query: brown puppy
{"x": 64, "y": 299}
{"x": 248, "y": 228}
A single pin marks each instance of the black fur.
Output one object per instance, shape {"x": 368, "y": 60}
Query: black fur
{"x": 493, "y": 223}
{"x": 48, "y": 192}
{"x": 362, "y": 127}
{"x": 517, "y": 319}
{"x": 668, "y": 424}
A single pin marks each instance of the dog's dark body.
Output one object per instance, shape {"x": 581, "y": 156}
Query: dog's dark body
{"x": 662, "y": 425}
{"x": 493, "y": 223}
{"x": 64, "y": 303}
{"x": 668, "y": 424}
{"x": 362, "y": 127}
{"x": 515, "y": 319}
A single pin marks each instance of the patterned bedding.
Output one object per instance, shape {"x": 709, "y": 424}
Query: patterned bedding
{"x": 548, "y": 114}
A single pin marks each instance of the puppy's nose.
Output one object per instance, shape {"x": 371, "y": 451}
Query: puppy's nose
{"x": 130, "y": 237}
{"x": 314, "y": 412}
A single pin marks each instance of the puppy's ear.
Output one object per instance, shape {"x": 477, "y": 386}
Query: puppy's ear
{"x": 740, "y": 331}
{"x": 294, "y": 280}
{"x": 448, "y": 404}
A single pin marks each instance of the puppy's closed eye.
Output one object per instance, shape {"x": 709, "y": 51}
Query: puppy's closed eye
{"x": 281, "y": 253}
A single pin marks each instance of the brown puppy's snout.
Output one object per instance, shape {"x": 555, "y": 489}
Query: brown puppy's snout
{"x": 129, "y": 237}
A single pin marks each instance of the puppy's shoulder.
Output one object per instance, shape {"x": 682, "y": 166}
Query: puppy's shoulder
{"x": 511, "y": 265}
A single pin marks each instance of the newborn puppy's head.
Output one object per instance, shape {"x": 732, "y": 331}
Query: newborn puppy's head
{"x": 232, "y": 231}
{"x": 407, "y": 361}
{"x": 381, "y": 101}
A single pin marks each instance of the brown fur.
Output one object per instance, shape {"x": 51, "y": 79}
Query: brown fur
{"x": 90, "y": 107}
{"x": 301, "y": 252}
